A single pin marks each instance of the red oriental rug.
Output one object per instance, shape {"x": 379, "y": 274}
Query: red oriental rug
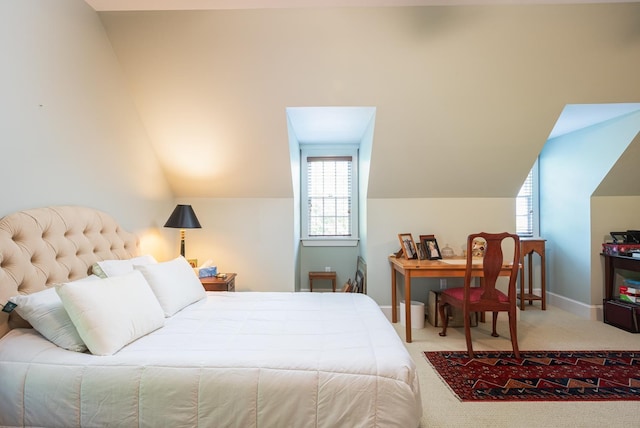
{"x": 540, "y": 375}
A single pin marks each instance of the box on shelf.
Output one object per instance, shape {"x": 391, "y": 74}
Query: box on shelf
{"x": 630, "y": 291}
{"x": 632, "y": 284}
{"x": 628, "y": 298}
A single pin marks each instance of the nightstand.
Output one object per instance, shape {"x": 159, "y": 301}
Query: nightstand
{"x": 213, "y": 283}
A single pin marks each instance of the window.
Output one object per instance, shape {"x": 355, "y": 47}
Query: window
{"x": 526, "y": 205}
{"x": 329, "y": 194}
{"x": 329, "y": 197}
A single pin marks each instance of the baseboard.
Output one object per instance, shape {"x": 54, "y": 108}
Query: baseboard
{"x": 591, "y": 312}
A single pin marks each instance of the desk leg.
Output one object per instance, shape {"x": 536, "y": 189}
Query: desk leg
{"x": 394, "y": 297}
{"x": 530, "y": 272}
{"x": 522, "y": 286}
{"x": 407, "y": 306}
{"x": 543, "y": 281}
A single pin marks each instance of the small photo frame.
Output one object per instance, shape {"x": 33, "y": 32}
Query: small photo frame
{"x": 619, "y": 237}
{"x": 422, "y": 254}
{"x": 193, "y": 263}
{"x": 431, "y": 248}
{"x": 408, "y": 246}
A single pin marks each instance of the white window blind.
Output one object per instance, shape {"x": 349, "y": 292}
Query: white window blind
{"x": 524, "y": 207}
{"x": 329, "y": 196}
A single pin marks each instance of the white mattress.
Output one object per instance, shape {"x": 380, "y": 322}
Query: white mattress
{"x": 231, "y": 360}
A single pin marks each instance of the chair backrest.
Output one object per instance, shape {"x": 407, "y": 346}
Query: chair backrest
{"x": 492, "y": 264}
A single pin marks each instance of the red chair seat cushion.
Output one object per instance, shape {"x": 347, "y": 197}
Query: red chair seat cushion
{"x": 474, "y": 296}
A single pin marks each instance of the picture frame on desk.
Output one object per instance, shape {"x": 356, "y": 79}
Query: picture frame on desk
{"x": 408, "y": 246}
{"x": 431, "y": 248}
{"x": 422, "y": 254}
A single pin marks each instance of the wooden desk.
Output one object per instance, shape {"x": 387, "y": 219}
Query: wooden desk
{"x": 425, "y": 269}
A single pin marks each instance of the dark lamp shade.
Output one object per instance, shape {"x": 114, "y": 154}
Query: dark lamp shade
{"x": 183, "y": 217}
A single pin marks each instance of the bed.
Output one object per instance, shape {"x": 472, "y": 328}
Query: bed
{"x": 245, "y": 359}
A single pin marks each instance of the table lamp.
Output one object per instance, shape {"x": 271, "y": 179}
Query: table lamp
{"x": 183, "y": 218}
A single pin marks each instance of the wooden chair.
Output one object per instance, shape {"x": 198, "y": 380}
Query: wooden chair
{"x": 485, "y": 298}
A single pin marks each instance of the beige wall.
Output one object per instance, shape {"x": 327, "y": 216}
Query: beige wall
{"x": 80, "y": 124}
{"x": 70, "y": 132}
{"x": 465, "y": 99}
{"x": 457, "y": 89}
{"x": 252, "y": 237}
{"x": 450, "y": 219}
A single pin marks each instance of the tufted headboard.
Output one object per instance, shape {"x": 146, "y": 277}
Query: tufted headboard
{"x": 44, "y": 246}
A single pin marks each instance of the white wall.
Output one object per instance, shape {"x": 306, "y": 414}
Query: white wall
{"x": 571, "y": 168}
{"x": 251, "y": 237}
{"x": 69, "y": 130}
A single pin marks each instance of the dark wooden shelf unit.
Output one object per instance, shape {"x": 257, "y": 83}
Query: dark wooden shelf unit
{"x": 624, "y": 315}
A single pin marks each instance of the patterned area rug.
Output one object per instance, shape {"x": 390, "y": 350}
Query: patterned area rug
{"x": 540, "y": 375}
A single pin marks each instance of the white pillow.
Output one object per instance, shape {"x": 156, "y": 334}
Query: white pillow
{"x": 46, "y": 314}
{"x": 174, "y": 283}
{"x": 108, "y": 268}
{"x": 113, "y": 312}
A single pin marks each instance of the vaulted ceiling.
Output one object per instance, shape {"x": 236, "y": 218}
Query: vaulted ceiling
{"x": 270, "y": 4}
{"x": 458, "y": 90}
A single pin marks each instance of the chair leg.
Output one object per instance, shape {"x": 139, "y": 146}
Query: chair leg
{"x": 467, "y": 334}
{"x": 444, "y": 317}
{"x": 494, "y": 333}
{"x": 514, "y": 333}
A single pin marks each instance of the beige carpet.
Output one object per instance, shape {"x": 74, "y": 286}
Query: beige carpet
{"x": 553, "y": 329}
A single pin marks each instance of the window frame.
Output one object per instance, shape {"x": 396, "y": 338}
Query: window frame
{"x": 328, "y": 151}
{"x": 534, "y": 202}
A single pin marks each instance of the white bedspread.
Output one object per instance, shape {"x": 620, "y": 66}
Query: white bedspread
{"x": 231, "y": 360}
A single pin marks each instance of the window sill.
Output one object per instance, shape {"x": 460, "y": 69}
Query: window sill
{"x": 330, "y": 242}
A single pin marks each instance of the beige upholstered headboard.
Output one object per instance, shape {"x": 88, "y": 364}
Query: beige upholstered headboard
{"x": 44, "y": 246}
